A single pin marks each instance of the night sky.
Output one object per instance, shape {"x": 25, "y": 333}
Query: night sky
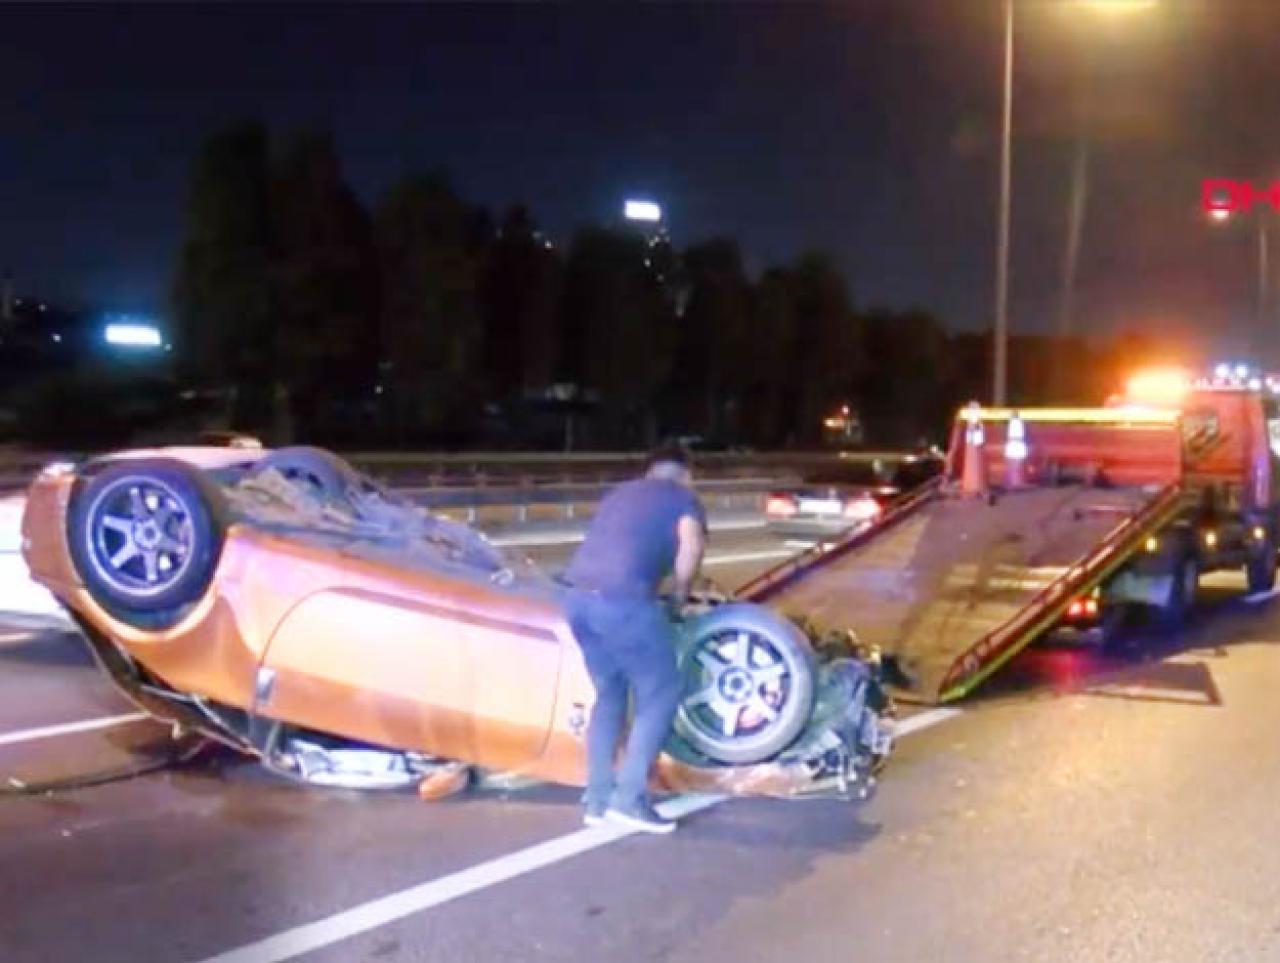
{"x": 866, "y": 127}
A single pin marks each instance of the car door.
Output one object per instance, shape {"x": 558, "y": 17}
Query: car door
{"x": 449, "y": 668}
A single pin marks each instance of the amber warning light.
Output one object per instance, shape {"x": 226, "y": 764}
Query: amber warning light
{"x": 1160, "y": 387}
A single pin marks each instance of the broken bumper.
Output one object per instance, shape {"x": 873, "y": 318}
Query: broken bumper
{"x": 837, "y": 756}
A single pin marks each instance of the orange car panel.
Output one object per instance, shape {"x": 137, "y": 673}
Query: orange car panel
{"x": 361, "y": 647}
{"x": 364, "y": 643}
{"x": 465, "y": 690}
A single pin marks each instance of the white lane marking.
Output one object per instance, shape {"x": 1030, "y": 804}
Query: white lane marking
{"x": 923, "y": 720}
{"x": 533, "y": 539}
{"x": 7, "y": 637}
{"x": 379, "y": 912}
{"x": 1140, "y": 692}
{"x": 292, "y": 943}
{"x": 1257, "y": 597}
{"x": 747, "y": 557}
{"x": 68, "y": 728}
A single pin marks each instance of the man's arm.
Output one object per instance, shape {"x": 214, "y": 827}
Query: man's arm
{"x": 691, "y": 542}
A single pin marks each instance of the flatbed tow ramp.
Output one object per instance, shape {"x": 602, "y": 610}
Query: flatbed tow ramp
{"x": 955, "y": 580}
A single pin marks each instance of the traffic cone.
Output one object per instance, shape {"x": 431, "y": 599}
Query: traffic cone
{"x": 973, "y": 478}
{"x": 1015, "y": 453}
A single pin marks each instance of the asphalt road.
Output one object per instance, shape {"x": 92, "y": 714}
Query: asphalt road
{"x": 1079, "y": 809}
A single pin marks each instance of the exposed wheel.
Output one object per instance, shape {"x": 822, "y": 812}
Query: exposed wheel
{"x": 749, "y": 683}
{"x": 1182, "y": 595}
{"x": 145, "y": 535}
{"x": 1260, "y": 569}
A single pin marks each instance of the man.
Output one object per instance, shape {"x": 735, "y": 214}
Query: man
{"x": 643, "y": 530}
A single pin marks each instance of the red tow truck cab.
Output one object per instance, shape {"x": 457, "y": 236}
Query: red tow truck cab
{"x": 1217, "y": 441}
{"x": 1230, "y": 479}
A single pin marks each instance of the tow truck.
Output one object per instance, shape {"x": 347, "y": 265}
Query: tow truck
{"x": 1047, "y": 517}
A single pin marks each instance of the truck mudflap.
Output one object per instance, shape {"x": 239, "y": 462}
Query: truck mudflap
{"x": 838, "y": 755}
{"x": 996, "y": 648}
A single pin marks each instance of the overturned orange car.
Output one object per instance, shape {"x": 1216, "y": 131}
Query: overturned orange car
{"x": 285, "y": 604}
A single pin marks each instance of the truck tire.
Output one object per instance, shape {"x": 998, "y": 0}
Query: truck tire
{"x": 1260, "y": 569}
{"x": 749, "y": 683}
{"x": 1182, "y": 595}
{"x": 145, "y": 536}
{"x": 1115, "y": 628}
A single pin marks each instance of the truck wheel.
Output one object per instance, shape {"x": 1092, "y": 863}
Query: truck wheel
{"x": 749, "y": 683}
{"x": 145, "y": 536}
{"x": 1186, "y": 579}
{"x": 1260, "y": 569}
{"x": 1115, "y": 628}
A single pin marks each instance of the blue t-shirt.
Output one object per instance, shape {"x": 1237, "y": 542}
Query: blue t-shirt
{"x": 630, "y": 545}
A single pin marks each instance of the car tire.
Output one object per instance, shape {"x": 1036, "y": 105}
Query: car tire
{"x": 145, "y": 536}
{"x": 744, "y": 704}
{"x": 1260, "y": 569}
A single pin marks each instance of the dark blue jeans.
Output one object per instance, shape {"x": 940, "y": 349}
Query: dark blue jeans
{"x": 628, "y": 646}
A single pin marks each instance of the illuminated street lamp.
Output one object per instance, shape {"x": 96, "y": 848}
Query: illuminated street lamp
{"x": 647, "y": 212}
{"x": 1001, "y": 339}
{"x": 126, "y": 332}
{"x": 1117, "y": 6}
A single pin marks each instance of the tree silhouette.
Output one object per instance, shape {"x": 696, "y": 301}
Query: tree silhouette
{"x": 520, "y": 302}
{"x": 223, "y": 294}
{"x": 326, "y": 279}
{"x": 431, "y": 246}
{"x": 620, "y": 330}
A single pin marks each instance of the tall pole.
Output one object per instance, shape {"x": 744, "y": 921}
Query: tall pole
{"x": 1072, "y": 255}
{"x": 1262, "y": 270}
{"x": 1001, "y": 359}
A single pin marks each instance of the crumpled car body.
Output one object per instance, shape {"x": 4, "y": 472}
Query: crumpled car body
{"x": 333, "y": 622}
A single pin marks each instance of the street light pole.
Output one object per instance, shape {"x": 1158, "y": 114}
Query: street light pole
{"x": 1001, "y": 348}
{"x": 1000, "y": 375}
{"x": 1264, "y": 269}
{"x": 1075, "y": 227}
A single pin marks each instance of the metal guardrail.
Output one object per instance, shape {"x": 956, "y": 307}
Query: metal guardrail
{"x": 520, "y": 504}
{"x": 524, "y": 476}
